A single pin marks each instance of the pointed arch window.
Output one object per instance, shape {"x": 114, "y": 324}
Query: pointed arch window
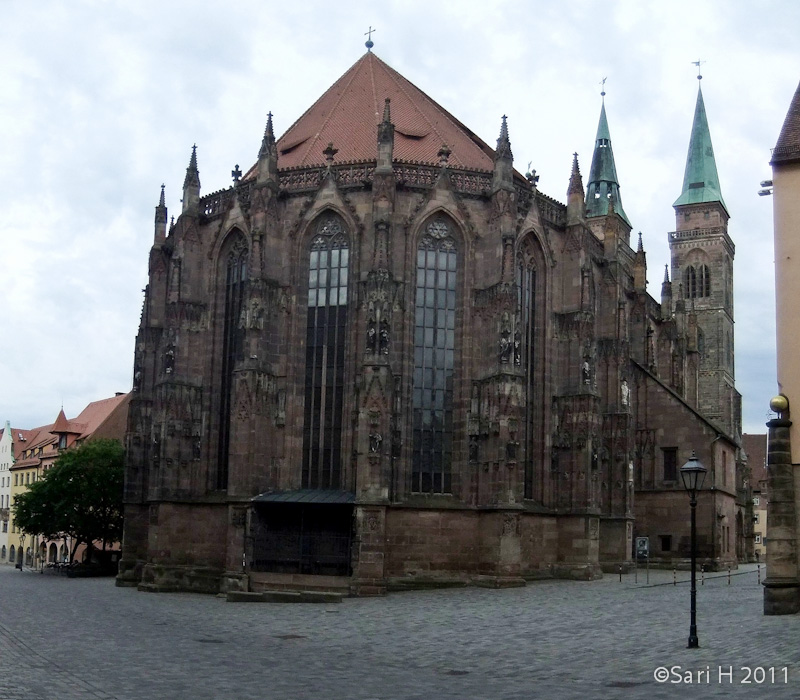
{"x": 524, "y": 355}
{"x": 234, "y": 269}
{"x": 434, "y": 352}
{"x": 326, "y": 333}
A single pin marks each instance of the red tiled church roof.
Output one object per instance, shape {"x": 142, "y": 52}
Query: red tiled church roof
{"x": 349, "y": 112}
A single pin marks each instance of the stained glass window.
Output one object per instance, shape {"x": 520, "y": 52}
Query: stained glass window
{"x": 434, "y": 348}
{"x": 326, "y": 331}
{"x": 235, "y": 272}
{"x": 525, "y": 356}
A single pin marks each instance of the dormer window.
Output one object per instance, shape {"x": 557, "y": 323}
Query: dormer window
{"x": 62, "y": 442}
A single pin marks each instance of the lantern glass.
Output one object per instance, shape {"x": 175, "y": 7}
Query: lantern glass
{"x": 693, "y": 473}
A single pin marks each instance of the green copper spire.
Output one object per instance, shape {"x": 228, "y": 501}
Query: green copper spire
{"x": 603, "y": 183}
{"x": 700, "y": 181}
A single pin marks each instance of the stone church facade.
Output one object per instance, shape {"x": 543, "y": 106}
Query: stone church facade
{"x": 383, "y": 358}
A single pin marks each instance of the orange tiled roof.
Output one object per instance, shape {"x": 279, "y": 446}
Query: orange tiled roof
{"x": 349, "y": 112}
{"x": 92, "y": 417}
{"x": 35, "y": 438}
{"x": 61, "y": 425}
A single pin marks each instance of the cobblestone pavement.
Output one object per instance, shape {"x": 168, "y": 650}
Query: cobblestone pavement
{"x": 83, "y": 638}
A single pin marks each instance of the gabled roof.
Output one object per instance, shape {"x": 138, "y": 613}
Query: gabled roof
{"x": 603, "y": 184}
{"x": 348, "y": 113}
{"x": 788, "y": 147}
{"x": 700, "y": 180}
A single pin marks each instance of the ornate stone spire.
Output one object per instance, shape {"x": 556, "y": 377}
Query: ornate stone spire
{"x": 191, "y": 183}
{"x": 640, "y": 267}
{"x": 503, "y": 143}
{"x": 666, "y": 295}
{"x": 269, "y": 137}
{"x": 575, "y": 195}
{"x": 268, "y": 155}
{"x": 385, "y": 140}
{"x": 160, "y": 234}
{"x": 603, "y": 184}
{"x": 503, "y": 160}
{"x": 575, "y": 179}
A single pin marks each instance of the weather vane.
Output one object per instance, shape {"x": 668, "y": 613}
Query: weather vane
{"x": 603, "y": 88}
{"x": 698, "y": 63}
{"x": 369, "y": 43}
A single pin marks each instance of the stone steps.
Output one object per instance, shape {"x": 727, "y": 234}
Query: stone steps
{"x": 284, "y": 597}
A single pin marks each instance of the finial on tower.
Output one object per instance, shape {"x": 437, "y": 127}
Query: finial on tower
{"x": 666, "y": 273}
{"x": 161, "y": 201}
{"x": 698, "y": 63}
{"x": 640, "y": 247}
{"x": 603, "y": 88}
{"x": 369, "y": 43}
{"x": 387, "y": 116}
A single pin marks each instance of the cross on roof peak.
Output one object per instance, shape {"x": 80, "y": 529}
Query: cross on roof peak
{"x": 369, "y": 43}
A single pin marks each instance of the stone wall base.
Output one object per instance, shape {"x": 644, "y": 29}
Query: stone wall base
{"x": 164, "y": 578}
{"x": 781, "y": 596}
{"x": 129, "y": 573}
{"x": 578, "y": 572}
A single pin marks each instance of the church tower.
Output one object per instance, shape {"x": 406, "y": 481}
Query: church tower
{"x": 702, "y": 270}
{"x": 602, "y": 190}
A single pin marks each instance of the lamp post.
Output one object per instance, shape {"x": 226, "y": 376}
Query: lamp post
{"x": 693, "y": 473}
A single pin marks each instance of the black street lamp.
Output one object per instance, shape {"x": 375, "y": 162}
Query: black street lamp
{"x": 693, "y": 473}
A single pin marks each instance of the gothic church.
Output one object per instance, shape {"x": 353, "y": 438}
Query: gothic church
{"x": 383, "y": 358}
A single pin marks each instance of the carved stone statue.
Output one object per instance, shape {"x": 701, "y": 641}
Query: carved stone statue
{"x": 586, "y": 372}
{"x": 626, "y": 393}
{"x": 169, "y": 359}
{"x": 375, "y": 441}
{"x": 372, "y": 337}
{"x": 383, "y": 337}
{"x": 473, "y": 448}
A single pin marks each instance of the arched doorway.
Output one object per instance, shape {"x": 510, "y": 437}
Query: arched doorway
{"x": 53, "y": 556}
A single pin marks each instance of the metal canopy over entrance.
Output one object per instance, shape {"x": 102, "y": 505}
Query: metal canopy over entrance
{"x": 302, "y": 532}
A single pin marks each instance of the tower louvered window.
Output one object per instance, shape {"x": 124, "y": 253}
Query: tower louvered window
{"x": 326, "y": 332}
{"x": 697, "y": 281}
{"x": 434, "y": 349}
{"x": 235, "y": 272}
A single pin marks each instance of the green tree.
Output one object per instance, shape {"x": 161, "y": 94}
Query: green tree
{"x": 79, "y": 497}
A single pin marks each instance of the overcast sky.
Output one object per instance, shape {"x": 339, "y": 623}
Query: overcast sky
{"x": 100, "y": 102}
